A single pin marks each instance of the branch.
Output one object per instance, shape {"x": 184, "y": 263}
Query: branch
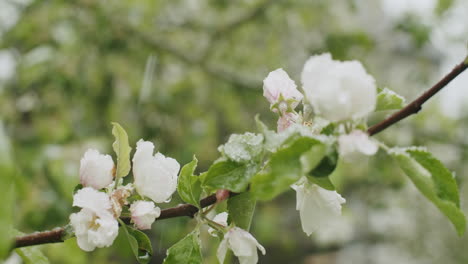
{"x": 56, "y": 236}
{"x": 415, "y": 106}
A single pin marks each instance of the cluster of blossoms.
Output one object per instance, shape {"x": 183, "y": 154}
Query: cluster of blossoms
{"x": 337, "y": 91}
{"x": 340, "y": 94}
{"x": 102, "y": 200}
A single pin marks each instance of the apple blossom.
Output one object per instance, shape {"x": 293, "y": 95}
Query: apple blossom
{"x": 220, "y": 219}
{"x": 338, "y": 90}
{"x": 95, "y": 225}
{"x": 155, "y": 176}
{"x": 279, "y": 89}
{"x": 356, "y": 142}
{"x": 96, "y": 170}
{"x": 316, "y": 205}
{"x": 144, "y": 213}
{"x": 243, "y": 245}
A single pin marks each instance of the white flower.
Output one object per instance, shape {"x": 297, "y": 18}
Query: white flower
{"x": 286, "y": 120}
{"x": 144, "y": 213}
{"x": 356, "y": 142}
{"x": 96, "y": 170}
{"x": 316, "y": 205}
{"x": 242, "y": 244}
{"x": 338, "y": 90}
{"x": 221, "y": 219}
{"x": 155, "y": 176}
{"x": 95, "y": 225}
{"x": 279, "y": 88}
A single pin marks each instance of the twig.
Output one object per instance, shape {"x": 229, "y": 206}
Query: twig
{"x": 415, "y": 106}
{"x": 56, "y": 235}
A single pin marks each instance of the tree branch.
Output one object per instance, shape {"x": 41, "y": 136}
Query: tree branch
{"x": 56, "y": 235}
{"x": 415, "y": 106}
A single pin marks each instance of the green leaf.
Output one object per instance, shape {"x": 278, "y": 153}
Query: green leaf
{"x": 323, "y": 182}
{"x": 389, "y": 100}
{"x": 285, "y": 168}
{"x": 327, "y": 165}
{"x": 187, "y": 250}
{"x": 139, "y": 243}
{"x": 241, "y": 209}
{"x": 243, "y": 148}
{"x": 122, "y": 149}
{"x": 229, "y": 175}
{"x": 434, "y": 181}
{"x": 30, "y": 255}
{"x": 189, "y": 185}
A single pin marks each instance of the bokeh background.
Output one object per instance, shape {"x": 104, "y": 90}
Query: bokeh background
{"x": 186, "y": 74}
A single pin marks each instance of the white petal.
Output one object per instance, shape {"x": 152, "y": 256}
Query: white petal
{"x": 106, "y": 233}
{"x": 96, "y": 169}
{"x": 278, "y": 83}
{"x": 338, "y": 90}
{"x": 221, "y": 219}
{"x": 222, "y": 250}
{"x": 144, "y": 213}
{"x": 356, "y": 141}
{"x": 155, "y": 177}
{"x": 89, "y": 198}
{"x": 316, "y": 206}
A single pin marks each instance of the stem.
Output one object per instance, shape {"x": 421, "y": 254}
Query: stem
{"x": 414, "y": 107}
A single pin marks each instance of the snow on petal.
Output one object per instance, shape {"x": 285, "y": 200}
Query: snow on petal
{"x": 144, "y": 213}
{"x": 316, "y": 205}
{"x": 243, "y": 245}
{"x": 338, "y": 90}
{"x": 96, "y": 170}
{"x": 356, "y": 142}
{"x": 155, "y": 176}
{"x": 278, "y": 87}
{"x": 221, "y": 219}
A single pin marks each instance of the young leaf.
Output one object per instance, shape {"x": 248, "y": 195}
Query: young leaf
{"x": 284, "y": 168}
{"x": 187, "y": 250}
{"x": 434, "y": 181}
{"x": 323, "y": 182}
{"x": 122, "y": 149}
{"x": 189, "y": 185}
{"x": 389, "y": 100}
{"x": 139, "y": 243}
{"x": 30, "y": 255}
{"x": 229, "y": 175}
{"x": 243, "y": 148}
{"x": 241, "y": 209}
{"x": 327, "y": 165}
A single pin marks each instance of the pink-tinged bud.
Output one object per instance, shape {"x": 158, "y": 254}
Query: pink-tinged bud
{"x": 222, "y": 195}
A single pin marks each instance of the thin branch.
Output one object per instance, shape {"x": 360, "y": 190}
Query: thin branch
{"x": 56, "y": 235}
{"x": 415, "y": 106}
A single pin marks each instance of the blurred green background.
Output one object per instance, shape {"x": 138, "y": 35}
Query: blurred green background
{"x": 186, "y": 74}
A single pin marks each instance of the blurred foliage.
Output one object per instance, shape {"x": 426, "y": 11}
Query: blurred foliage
{"x": 186, "y": 74}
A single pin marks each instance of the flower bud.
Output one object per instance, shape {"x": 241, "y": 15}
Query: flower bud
{"x": 144, "y": 213}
